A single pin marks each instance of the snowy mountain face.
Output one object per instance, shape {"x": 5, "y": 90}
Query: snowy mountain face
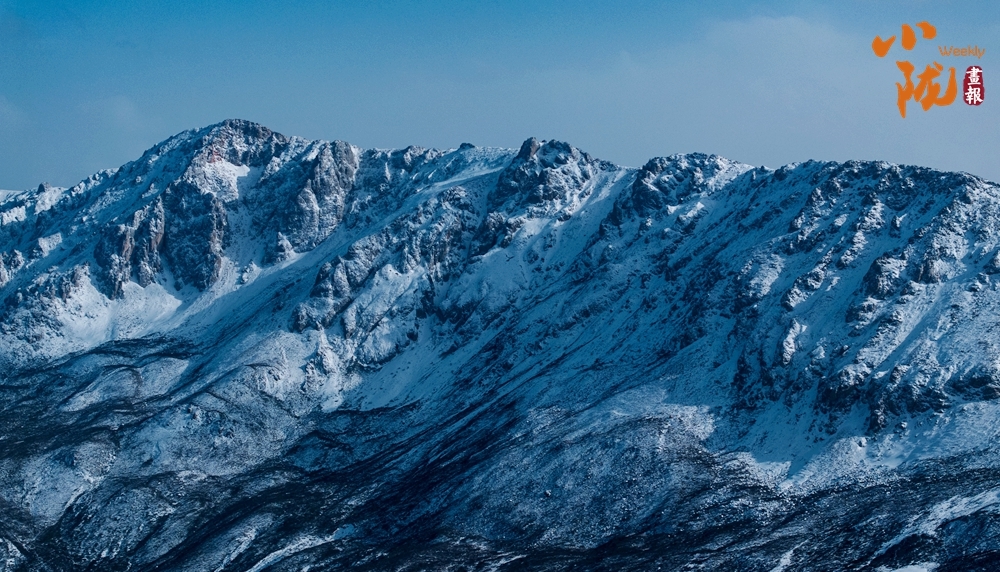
{"x": 245, "y": 351}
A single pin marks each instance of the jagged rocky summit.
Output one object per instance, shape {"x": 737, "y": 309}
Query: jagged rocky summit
{"x": 247, "y": 351}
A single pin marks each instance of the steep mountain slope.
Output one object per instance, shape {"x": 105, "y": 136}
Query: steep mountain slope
{"x": 245, "y": 351}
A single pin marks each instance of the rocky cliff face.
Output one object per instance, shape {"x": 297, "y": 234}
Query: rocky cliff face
{"x": 245, "y": 351}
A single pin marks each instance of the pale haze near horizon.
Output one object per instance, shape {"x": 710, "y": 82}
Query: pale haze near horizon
{"x": 86, "y": 86}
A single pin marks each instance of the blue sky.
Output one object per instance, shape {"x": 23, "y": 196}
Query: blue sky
{"x": 87, "y": 85}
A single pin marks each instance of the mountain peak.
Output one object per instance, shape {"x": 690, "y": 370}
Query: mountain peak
{"x": 529, "y": 148}
{"x": 236, "y": 131}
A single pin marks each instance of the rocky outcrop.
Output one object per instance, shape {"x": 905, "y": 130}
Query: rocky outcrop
{"x": 546, "y": 174}
{"x": 131, "y": 251}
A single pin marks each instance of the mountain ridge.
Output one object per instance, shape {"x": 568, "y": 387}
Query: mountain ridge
{"x": 513, "y": 357}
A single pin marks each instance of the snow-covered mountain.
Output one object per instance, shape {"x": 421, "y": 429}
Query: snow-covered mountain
{"x": 246, "y": 351}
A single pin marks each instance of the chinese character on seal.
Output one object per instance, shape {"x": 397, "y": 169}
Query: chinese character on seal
{"x": 973, "y": 89}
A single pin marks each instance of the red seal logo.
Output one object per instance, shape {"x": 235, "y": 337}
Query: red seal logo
{"x": 973, "y": 90}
